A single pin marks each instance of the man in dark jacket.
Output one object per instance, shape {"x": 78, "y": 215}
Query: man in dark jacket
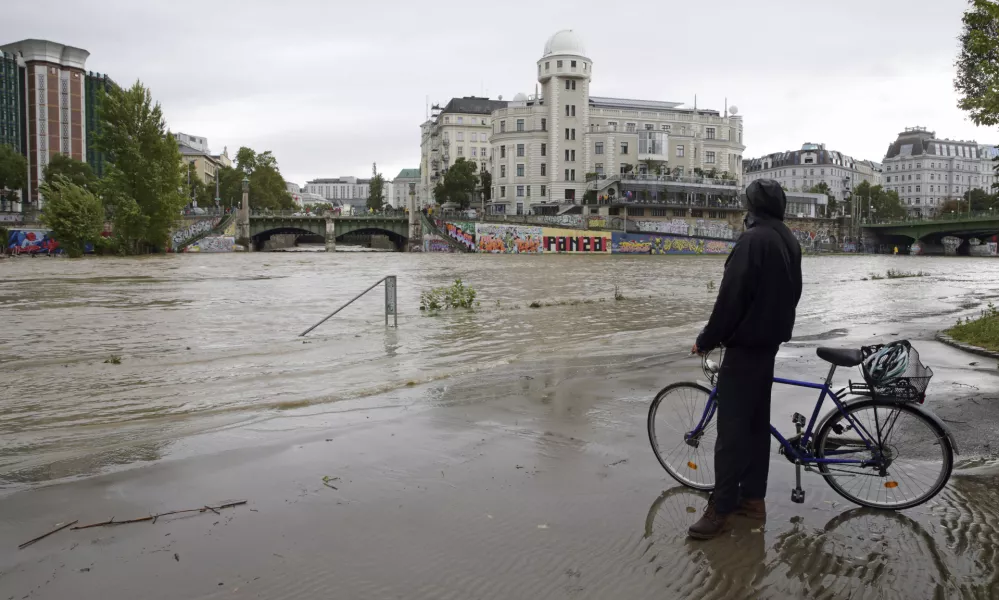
{"x": 753, "y": 316}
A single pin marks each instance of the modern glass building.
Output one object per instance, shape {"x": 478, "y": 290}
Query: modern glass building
{"x": 11, "y": 110}
{"x": 94, "y": 84}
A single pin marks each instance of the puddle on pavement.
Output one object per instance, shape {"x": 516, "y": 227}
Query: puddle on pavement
{"x": 946, "y": 548}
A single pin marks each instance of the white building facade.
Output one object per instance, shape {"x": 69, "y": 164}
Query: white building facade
{"x": 339, "y": 188}
{"x": 926, "y": 171}
{"x": 801, "y": 170}
{"x": 400, "y": 189}
{"x": 543, "y": 147}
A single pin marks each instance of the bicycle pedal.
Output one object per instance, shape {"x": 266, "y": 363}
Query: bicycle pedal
{"x": 798, "y": 496}
{"x": 798, "y": 420}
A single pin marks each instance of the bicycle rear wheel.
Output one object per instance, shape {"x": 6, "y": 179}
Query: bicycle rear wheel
{"x": 913, "y": 454}
{"x": 676, "y": 412}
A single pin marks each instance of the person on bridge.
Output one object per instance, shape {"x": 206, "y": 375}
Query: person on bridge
{"x": 753, "y": 315}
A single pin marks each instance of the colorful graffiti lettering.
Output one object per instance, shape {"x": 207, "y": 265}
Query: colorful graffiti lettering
{"x": 508, "y": 239}
{"x": 712, "y": 229}
{"x": 464, "y": 233}
{"x": 643, "y": 243}
{"x": 194, "y": 229}
{"x": 31, "y": 241}
{"x": 566, "y": 220}
{"x": 676, "y": 226}
{"x": 213, "y": 243}
{"x": 575, "y": 241}
{"x": 434, "y": 243}
{"x": 849, "y": 247}
{"x": 597, "y": 223}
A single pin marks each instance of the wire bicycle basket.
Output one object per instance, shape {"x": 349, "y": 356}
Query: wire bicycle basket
{"x": 909, "y": 385}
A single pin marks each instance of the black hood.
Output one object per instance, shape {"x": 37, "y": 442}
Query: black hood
{"x": 765, "y": 197}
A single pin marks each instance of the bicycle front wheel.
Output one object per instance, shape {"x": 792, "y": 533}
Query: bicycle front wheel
{"x": 686, "y": 451}
{"x": 909, "y": 456}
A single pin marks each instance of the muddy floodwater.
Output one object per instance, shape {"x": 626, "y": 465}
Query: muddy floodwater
{"x": 499, "y": 453}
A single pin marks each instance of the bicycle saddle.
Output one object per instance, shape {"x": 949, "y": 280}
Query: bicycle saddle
{"x": 841, "y": 357}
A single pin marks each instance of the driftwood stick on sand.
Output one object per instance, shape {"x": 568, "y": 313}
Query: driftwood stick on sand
{"x": 45, "y": 535}
{"x": 153, "y": 518}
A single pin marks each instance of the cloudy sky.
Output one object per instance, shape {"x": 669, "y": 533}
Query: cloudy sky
{"x": 331, "y": 86}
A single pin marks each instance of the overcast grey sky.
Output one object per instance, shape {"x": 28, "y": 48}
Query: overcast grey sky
{"x": 331, "y": 86}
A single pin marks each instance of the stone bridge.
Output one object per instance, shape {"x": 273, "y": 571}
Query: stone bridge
{"x": 930, "y": 233}
{"x": 330, "y": 229}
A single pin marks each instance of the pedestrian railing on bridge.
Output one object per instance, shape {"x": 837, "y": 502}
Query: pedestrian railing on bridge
{"x": 390, "y": 303}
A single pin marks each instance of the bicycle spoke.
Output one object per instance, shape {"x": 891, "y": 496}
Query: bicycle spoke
{"x": 678, "y": 412}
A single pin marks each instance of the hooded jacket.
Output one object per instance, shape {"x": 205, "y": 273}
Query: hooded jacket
{"x": 762, "y": 283}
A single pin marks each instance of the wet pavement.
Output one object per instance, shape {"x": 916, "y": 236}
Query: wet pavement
{"x": 526, "y": 475}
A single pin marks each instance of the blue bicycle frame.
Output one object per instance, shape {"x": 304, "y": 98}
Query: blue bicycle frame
{"x": 800, "y": 454}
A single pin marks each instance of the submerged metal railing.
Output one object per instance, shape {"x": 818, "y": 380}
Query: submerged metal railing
{"x": 390, "y": 303}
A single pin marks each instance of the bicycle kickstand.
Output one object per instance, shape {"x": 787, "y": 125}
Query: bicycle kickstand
{"x": 797, "y": 494}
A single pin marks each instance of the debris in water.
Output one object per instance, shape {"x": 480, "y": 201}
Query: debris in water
{"x": 691, "y": 509}
{"x": 45, "y": 535}
{"x": 327, "y": 481}
{"x": 153, "y": 518}
{"x": 542, "y": 527}
{"x": 622, "y": 461}
{"x": 176, "y": 557}
{"x": 519, "y": 466}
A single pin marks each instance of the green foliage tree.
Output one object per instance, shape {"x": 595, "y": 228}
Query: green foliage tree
{"x": 142, "y": 187}
{"x": 458, "y": 183}
{"x": 977, "y": 80}
{"x": 886, "y": 204}
{"x": 73, "y": 213}
{"x": 267, "y": 187}
{"x": 13, "y": 173}
{"x": 979, "y": 200}
{"x": 74, "y": 170}
{"x": 376, "y": 193}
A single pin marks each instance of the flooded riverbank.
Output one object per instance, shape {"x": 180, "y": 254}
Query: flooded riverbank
{"x": 500, "y": 453}
{"x": 209, "y": 342}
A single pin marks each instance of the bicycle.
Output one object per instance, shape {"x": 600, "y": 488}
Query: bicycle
{"x": 857, "y": 447}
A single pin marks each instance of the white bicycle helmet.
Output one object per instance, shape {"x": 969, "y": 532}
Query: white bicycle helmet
{"x": 888, "y": 363}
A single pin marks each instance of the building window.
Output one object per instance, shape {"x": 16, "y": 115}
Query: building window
{"x": 502, "y": 170}
{"x": 484, "y": 153}
{"x": 570, "y": 194}
{"x": 502, "y": 191}
{"x": 566, "y": 133}
{"x": 520, "y": 150}
{"x": 544, "y": 190}
{"x": 598, "y": 148}
{"x": 917, "y": 188}
{"x": 502, "y": 126}
{"x": 520, "y": 169}
{"x": 547, "y": 65}
{"x": 679, "y": 151}
{"x": 573, "y": 134}
{"x": 570, "y": 110}
{"x": 709, "y": 133}
{"x": 567, "y": 175}
{"x": 544, "y": 149}
{"x": 624, "y": 147}
{"x": 447, "y": 119}
{"x": 709, "y": 157}
{"x": 520, "y": 191}
{"x": 461, "y": 151}
{"x": 520, "y": 124}
{"x": 558, "y": 64}
{"x": 623, "y": 166}
{"x": 572, "y": 64}
{"x": 460, "y": 136}
{"x": 612, "y": 125}
{"x": 502, "y": 151}
{"x": 629, "y": 127}
{"x": 544, "y": 169}
{"x": 544, "y": 124}
{"x": 599, "y": 168}
{"x": 474, "y": 149}
{"x": 460, "y": 120}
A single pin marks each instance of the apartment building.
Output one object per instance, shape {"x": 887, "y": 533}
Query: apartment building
{"x": 401, "y": 186}
{"x": 927, "y": 171}
{"x": 801, "y": 170}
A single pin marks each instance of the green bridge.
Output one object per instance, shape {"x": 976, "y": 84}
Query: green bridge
{"x": 930, "y": 232}
{"x": 329, "y": 229}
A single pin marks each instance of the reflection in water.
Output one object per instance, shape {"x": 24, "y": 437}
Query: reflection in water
{"x": 212, "y": 340}
{"x": 947, "y": 552}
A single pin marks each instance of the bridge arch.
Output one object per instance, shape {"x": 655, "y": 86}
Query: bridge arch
{"x": 260, "y": 239}
{"x": 398, "y": 240}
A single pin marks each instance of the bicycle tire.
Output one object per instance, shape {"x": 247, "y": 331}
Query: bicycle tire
{"x": 827, "y": 471}
{"x": 705, "y": 456}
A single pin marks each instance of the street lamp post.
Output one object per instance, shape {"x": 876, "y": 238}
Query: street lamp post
{"x": 243, "y": 219}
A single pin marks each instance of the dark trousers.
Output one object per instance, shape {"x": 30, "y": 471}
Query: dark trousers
{"x": 742, "y": 452}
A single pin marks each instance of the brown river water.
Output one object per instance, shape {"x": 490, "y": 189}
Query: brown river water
{"x": 210, "y": 351}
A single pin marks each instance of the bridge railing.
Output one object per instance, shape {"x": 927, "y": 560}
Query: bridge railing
{"x": 397, "y": 214}
{"x": 390, "y": 303}
{"x": 981, "y": 215}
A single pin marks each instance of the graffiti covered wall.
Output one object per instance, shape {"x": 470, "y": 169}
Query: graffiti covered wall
{"x": 508, "y": 239}
{"x": 463, "y": 233}
{"x": 575, "y": 241}
{"x": 32, "y": 241}
{"x": 190, "y": 230}
{"x": 812, "y": 233}
{"x": 699, "y": 228}
{"x": 643, "y": 243}
{"x": 434, "y": 243}
{"x": 213, "y": 243}
{"x": 574, "y": 221}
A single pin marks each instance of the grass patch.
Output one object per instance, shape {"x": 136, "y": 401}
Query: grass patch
{"x": 982, "y": 331}
{"x": 456, "y": 295}
{"x": 895, "y": 274}
{"x": 114, "y": 359}
{"x": 618, "y": 294}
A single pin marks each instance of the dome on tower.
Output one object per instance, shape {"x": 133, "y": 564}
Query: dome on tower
{"x": 565, "y": 42}
{"x": 521, "y": 97}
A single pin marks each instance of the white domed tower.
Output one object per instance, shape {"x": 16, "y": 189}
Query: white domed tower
{"x": 564, "y": 72}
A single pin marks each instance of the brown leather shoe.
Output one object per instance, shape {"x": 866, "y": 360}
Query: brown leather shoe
{"x": 710, "y": 525}
{"x": 753, "y": 509}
